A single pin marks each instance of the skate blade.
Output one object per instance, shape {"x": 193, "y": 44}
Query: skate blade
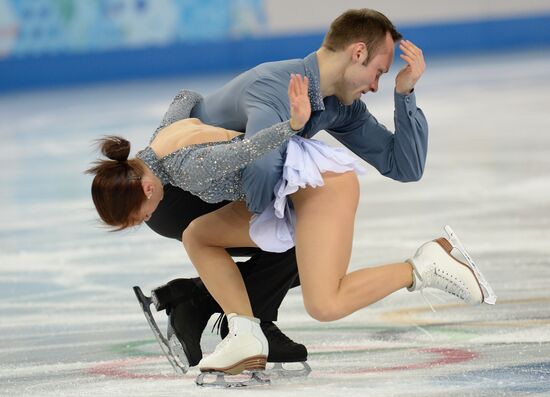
{"x": 178, "y": 352}
{"x": 279, "y": 371}
{"x": 145, "y": 303}
{"x": 489, "y": 296}
{"x": 256, "y": 378}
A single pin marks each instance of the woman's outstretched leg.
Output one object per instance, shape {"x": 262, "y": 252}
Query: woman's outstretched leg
{"x": 324, "y": 232}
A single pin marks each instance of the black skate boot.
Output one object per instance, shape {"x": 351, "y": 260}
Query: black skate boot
{"x": 174, "y": 292}
{"x": 187, "y": 321}
{"x": 282, "y": 350}
{"x": 189, "y": 307}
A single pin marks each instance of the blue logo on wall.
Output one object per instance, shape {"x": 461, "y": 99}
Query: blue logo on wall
{"x": 30, "y": 28}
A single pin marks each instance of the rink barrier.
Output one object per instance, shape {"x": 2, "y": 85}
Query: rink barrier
{"x": 454, "y": 39}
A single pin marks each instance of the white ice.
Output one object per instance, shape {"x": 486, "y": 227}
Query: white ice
{"x": 70, "y": 324}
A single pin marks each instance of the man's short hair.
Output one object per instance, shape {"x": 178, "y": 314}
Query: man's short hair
{"x": 361, "y": 25}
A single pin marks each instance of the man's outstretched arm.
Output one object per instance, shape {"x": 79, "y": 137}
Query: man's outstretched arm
{"x": 400, "y": 155}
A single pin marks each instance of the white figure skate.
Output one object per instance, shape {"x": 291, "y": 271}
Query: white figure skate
{"x": 244, "y": 348}
{"x": 435, "y": 267}
{"x": 286, "y": 358}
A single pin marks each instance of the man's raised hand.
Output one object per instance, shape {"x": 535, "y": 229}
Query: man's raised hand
{"x": 409, "y": 75}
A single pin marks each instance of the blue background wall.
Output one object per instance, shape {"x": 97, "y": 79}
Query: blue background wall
{"x": 46, "y": 43}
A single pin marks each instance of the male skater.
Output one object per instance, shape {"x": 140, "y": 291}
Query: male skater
{"x": 357, "y": 50}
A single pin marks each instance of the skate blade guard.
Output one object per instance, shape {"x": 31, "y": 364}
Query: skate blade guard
{"x": 145, "y": 302}
{"x": 489, "y": 296}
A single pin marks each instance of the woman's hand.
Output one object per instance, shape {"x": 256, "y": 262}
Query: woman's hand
{"x": 300, "y": 108}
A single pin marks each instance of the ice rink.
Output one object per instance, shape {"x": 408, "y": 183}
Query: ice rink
{"x": 70, "y": 324}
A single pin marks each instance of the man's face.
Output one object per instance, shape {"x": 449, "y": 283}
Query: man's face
{"x": 360, "y": 78}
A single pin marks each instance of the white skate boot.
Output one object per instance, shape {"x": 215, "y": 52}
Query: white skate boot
{"x": 244, "y": 348}
{"x": 435, "y": 267}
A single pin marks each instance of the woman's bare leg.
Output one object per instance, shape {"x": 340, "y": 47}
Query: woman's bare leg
{"x": 205, "y": 240}
{"x": 324, "y": 234}
{"x": 324, "y": 231}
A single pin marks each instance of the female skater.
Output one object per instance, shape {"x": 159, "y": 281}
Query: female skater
{"x": 324, "y": 191}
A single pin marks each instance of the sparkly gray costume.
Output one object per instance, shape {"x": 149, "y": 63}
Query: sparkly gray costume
{"x": 213, "y": 170}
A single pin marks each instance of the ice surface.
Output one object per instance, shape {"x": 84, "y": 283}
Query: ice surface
{"x": 70, "y": 324}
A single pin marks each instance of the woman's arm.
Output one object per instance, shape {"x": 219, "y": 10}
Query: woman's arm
{"x": 200, "y": 166}
{"x": 203, "y": 165}
{"x": 179, "y": 109}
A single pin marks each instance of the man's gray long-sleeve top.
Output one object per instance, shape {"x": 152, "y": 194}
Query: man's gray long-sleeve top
{"x": 258, "y": 99}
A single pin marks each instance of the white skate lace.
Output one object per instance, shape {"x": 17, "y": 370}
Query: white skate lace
{"x": 426, "y": 300}
{"x": 224, "y": 342}
{"x": 227, "y": 338}
{"x": 218, "y": 323}
{"x": 443, "y": 281}
{"x": 423, "y": 292}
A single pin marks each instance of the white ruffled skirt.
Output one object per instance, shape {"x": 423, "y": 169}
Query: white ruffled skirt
{"x": 306, "y": 161}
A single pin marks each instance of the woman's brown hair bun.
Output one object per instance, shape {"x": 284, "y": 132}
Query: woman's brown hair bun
{"x": 115, "y": 148}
